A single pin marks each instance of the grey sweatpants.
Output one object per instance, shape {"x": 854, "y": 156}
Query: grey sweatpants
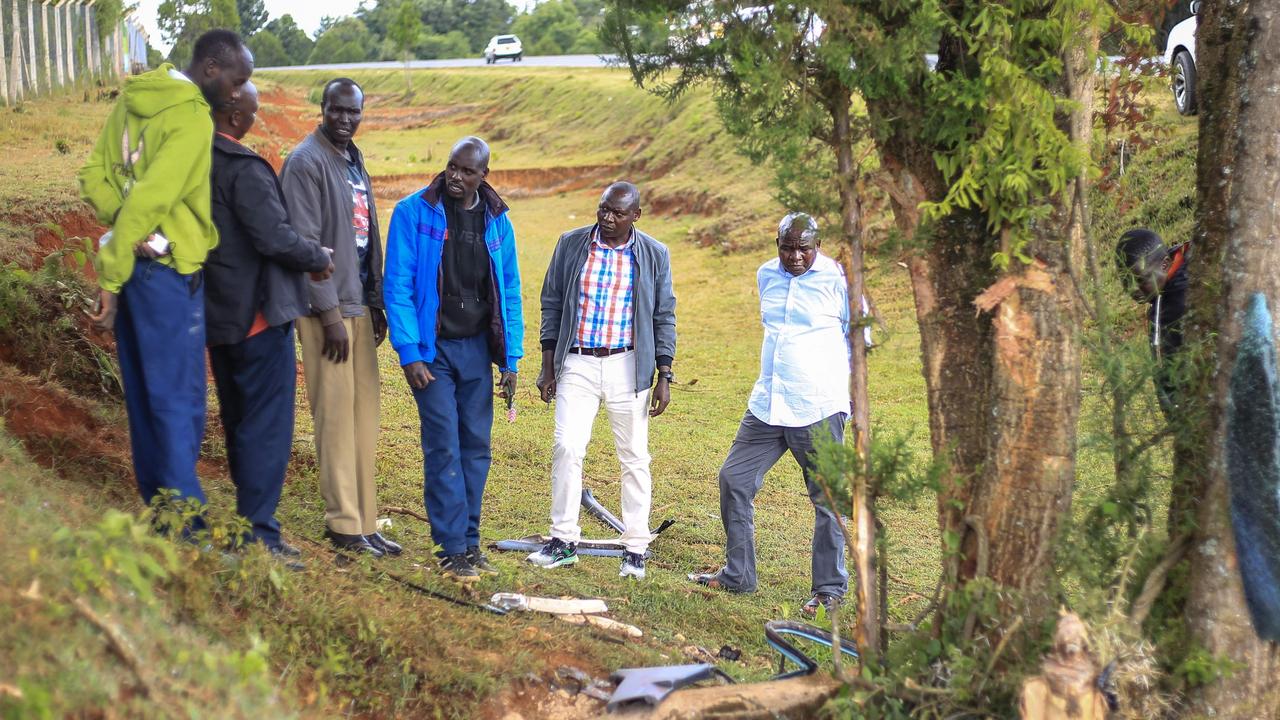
{"x": 757, "y": 447}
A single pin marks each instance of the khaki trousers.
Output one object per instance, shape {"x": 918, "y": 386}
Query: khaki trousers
{"x": 344, "y": 410}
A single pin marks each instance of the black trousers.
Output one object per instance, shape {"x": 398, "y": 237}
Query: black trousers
{"x": 256, "y": 380}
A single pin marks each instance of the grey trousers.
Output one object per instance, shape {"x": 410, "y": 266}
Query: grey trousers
{"x": 757, "y": 447}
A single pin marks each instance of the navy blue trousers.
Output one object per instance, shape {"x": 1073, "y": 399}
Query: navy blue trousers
{"x": 456, "y": 410}
{"x": 256, "y": 380}
{"x": 160, "y": 341}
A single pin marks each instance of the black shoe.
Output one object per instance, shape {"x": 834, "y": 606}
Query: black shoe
{"x": 284, "y": 549}
{"x": 459, "y": 568}
{"x": 386, "y": 546}
{"x": 352, "y": 543}
{"x": 288, "y": 559}
{"x": 480, "y": 562}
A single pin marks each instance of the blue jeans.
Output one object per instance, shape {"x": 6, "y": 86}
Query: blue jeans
{"x": 160, "y": 341}
{"x": 456, "y": 410}
{"x": 256, "y": 380}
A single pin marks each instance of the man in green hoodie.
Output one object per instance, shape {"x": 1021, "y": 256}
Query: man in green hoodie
{"x": 148, "y": 179}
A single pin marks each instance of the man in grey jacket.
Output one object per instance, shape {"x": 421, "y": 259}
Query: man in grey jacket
{"x": 331, "y": 202}
{"x": 608, "y": 321}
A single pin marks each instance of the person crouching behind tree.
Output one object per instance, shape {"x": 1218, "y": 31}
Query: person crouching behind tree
{"x": 802, "y": 393}
{"x": 608, "y": 323}
{"x": 453, "y": 303}
{"x": 1156, "y": 274}
{"x": 331, "y": 202}
{"x": 255, "y": 287}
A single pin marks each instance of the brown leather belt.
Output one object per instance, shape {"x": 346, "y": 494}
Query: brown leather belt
{"x": 600, "y": 352}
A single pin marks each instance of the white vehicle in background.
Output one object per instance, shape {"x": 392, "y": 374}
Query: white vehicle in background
{"x": 1180, "y": 57}
{"x": 503, "y": 47}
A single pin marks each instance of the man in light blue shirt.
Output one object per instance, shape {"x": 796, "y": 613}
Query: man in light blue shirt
{"x": 803, "y": 389}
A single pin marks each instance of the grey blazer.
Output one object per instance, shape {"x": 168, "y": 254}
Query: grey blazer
{"x": 654, "y": 302}
{"x": 314, "y": 179}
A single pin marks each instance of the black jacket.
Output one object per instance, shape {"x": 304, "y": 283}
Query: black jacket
{"x": 260, "y": 262}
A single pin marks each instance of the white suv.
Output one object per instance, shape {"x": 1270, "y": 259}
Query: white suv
{"x": 503, "y": 46}
{"x": 1180, "y": 58}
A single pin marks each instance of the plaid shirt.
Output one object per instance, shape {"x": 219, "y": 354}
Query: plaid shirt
{"x": 604, "y": 296}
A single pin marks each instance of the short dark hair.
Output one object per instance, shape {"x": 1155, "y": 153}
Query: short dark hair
{"x": 335, "y": 83}
{"x": 222, "y": 46}
{"x": 1137, "y": 244}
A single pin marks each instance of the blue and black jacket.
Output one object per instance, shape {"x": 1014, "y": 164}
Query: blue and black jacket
{"x": 412, "y": 276}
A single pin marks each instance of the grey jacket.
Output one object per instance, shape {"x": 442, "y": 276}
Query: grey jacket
{"x": 654, "y": 302}
{"x": 314, "y": 178}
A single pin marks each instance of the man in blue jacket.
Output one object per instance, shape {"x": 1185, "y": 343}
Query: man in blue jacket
{"x": 452, "y": 292}
{"x": 255, "y": 288}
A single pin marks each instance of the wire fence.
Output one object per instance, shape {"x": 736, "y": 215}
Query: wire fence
{"x": 49, "y": 46}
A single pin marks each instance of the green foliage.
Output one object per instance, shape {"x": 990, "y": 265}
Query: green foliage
{"x": 267, "y": 50}
{"x": 182, "y": 21}
{"x": 476, "y": 20}
{"x": 556, "y": 27}
{"x": 404, "y": 33}
{"x": 348, "y": 40}
{"x": 253, "y": 16}
{"x": 42, "y": 321}
{"x": 296, "y": 43}
{"x": 119, "y": 548}
{"x": 107, "y": 14}
{"x": 452, "y": 44}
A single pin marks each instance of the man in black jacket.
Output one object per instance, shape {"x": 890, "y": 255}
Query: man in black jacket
{"x": 254, "y": 289}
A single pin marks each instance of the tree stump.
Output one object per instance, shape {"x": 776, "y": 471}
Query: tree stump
{"x": 1066, "y": 688}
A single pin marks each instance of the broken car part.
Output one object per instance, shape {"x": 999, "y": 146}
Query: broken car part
{"x": 776, "y": 632}
{"x": 650, "y": 685}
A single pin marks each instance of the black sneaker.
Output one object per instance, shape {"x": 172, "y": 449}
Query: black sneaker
{"x": 829, "y": 602}
{"x": 480, "y": 562}
{"x": 459, "y": 568}
{"x": 554, "y": 554}
{"x": 632, "y": 565}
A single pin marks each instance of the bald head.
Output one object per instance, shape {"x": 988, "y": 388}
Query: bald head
{"x": 236, "y": 116}
{"x": 467, "y": 168}
{"x": 473, "y": 145}
{"x": 623, "y": 192}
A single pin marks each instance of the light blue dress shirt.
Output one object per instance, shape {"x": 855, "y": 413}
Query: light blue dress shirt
{"x": 804, "y": 361}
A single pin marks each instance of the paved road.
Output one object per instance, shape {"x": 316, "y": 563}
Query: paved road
{"x": 536, "y": 61}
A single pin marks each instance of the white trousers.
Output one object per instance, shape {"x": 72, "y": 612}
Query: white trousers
{"x": 584, "y": 382}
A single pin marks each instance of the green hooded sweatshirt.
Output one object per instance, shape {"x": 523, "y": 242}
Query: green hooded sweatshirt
{"x": 149, "y": 173}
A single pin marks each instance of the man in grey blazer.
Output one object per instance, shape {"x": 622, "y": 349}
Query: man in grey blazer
{"x": 608, "y": 323}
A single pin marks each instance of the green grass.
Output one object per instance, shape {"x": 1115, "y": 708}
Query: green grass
{"x": 340, "y": 639}
{"x": 552, "y": 117}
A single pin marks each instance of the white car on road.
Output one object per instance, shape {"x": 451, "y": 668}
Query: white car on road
{"x": 503, "y": 47}
{"x": 1180, "y": 58}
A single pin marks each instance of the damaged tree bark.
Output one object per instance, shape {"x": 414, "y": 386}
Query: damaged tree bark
{"x": 1238, "y": 230}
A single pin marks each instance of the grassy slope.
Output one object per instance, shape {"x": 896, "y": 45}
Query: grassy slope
{"x": 342, "y": 633}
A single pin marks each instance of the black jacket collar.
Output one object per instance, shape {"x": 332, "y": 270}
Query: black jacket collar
{"x": 231, "y": 147}
{"x": 434, "y": 193}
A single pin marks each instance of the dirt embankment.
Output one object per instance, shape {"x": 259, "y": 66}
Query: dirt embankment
{"x": 532, "y": 182}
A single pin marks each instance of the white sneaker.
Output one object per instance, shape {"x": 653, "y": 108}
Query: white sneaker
{"x": 632, "y": 565}
{"x": 554, "y": 554}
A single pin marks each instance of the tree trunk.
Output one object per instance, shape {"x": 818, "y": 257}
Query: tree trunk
{"x": 1003, "y": 383}
{"x": 71, "y": 44}
{"x": 867, "y": 634}
{"x": 1238, "y": 171}
{"x": 58, "y": 40}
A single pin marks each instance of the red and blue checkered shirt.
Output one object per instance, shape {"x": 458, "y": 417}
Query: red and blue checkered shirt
{"x": 604, "y": 296}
